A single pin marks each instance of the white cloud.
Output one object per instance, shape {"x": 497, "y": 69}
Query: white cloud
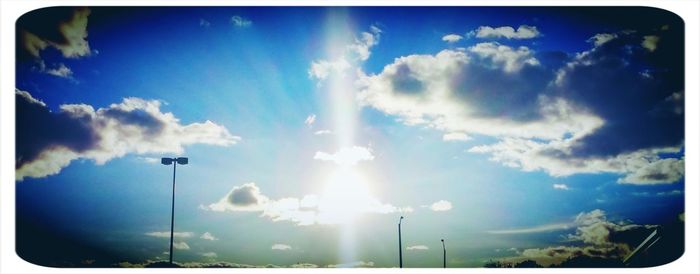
{"x": 452, "y": 38}
{"x": 60, "y": 71}
{"x": 441, "y": 205}
{"x": 346, "y": 156}
{"x": 455, "y": 136}
{"x": 135, "y": 126}
{"x": 650, "y": 42}
{"x": 210, "y": 254}
{"x": 281, "y": 247}
{"x": 323, "y": 132}
{"x": 536, "y": 229}
{"x": 508, "y": 32}
{"x": 602, "y": 38}
{"x": 560, "y": 186}
{"x": 208, "y": 236}
{"x": 241, "y": 22}
{"x": 166, "y": 234}
{"x": 181, "y": 246}
{"x": 417, "y": 247}
{"x": 310, "y": 119}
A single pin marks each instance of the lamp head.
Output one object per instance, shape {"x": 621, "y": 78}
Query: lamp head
{"x": 166, "y": 161}
{"x": 182, "y": 160}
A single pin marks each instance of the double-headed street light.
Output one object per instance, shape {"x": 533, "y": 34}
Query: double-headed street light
{"x": 174, "y": 162}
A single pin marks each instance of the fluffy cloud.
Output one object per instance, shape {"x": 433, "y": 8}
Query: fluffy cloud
{"x": 246, "y": 197}
{"x": 309, "y": 210}
{"x": 281, "y": 247}
{"x": 441, "y": 205}
{"x": 454, "y": 91}
{"x": 62, "y": 28}
{"x": 452, "y": 38}
{"x": 346, "y": 156}
{"x": 208, "y": 236}
{"x": 508, "y": 32}
{"x": 417, "y": 247}
{"x": 166, "y": 234}
{"x": 544, "y": 110}
{"x": 240, "y": 22}
{"x": 49, "y": 140}
{"x": 560, "y": 186}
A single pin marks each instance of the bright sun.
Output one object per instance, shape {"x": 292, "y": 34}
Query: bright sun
{"x": 345, "y": 197}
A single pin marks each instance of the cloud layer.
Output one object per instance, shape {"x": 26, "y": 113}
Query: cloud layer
{"x": 508, "y": 32}
{"x": 48, "y": 141}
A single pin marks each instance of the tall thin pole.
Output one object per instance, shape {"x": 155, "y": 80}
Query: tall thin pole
{"x": 444, "y": 254}
{"x": 400, "y": 248}
{"x": 172, "y": 216}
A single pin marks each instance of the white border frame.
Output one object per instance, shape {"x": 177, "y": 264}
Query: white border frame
{"x": 10, "y": 10}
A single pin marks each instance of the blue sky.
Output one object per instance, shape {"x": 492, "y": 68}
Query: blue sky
{"x": 506, "y": 131}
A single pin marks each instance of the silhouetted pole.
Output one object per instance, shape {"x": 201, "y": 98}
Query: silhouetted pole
{"x": 174, "y": 162}
{"x": 172, "y": 217}
{"x": 400, "y": 254}
{"x": 444, "y": 254}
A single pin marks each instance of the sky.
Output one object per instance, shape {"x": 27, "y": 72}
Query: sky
{"x": 511, "y": 133}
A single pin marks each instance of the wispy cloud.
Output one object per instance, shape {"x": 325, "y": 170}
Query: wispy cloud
{"x": 536, "y": 229}
{"x": 441, "y": 205}
{"x": 281, "y": 247}
{"x": 560, "y": 186}
{"x": 417, "y": 247}
{"x": 181, "y": 246}
{"x": 310, "y": 119}
{"x": 166, "y": 234}
{"x": 241, "y": 22}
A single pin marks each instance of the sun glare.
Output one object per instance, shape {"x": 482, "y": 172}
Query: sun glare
{"x": 345, "y": 197}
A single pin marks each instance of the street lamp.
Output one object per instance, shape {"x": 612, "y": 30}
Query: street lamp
{"x": 400, "y": 254}
{"x": 444, "y": 254}
{"x": 174, "y": 162}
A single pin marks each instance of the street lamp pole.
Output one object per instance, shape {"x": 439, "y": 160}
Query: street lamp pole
{"x": 444, "y": 254}
{"x": 174, "y": 162}
{"x": 400, "y": 251}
